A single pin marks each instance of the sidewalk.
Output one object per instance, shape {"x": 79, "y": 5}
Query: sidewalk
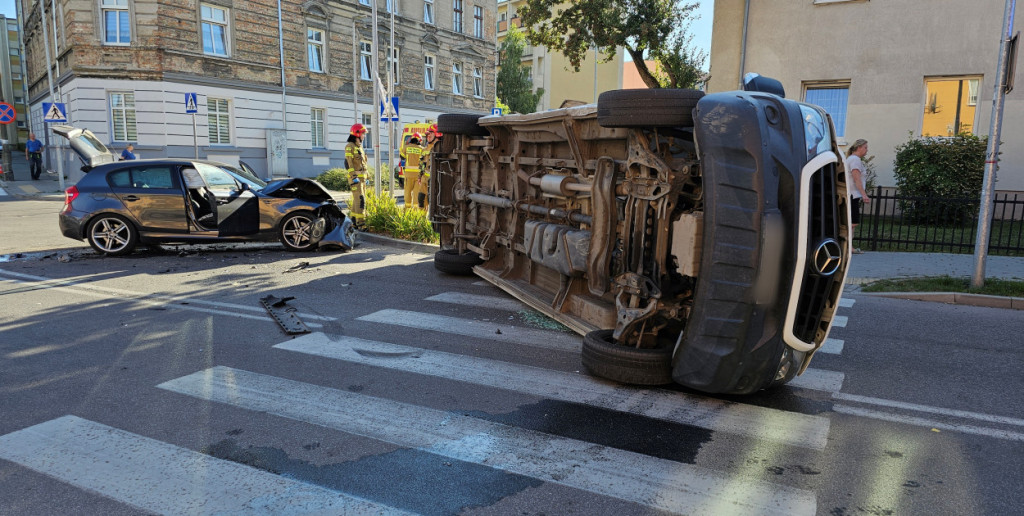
{"x": 46, "y": 187}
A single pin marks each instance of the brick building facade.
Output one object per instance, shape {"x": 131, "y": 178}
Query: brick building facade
{"x": 123, "y": 68}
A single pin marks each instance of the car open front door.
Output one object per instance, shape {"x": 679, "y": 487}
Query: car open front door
{"x": 237, "y": 207}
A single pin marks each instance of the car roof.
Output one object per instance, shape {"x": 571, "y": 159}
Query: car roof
{"x": 155, "y": 161}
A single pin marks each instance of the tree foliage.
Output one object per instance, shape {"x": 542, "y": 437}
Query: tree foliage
{"x": 515, "y": 87}
{"x": 654, "y": 29}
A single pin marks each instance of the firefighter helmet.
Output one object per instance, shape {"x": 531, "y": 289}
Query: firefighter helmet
{"x": 357, "y": 130}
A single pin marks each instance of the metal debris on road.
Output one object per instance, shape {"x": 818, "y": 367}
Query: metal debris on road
{"x": 284, "y": 315}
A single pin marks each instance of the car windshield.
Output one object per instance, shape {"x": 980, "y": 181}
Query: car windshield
{"x": 247, "y": 177}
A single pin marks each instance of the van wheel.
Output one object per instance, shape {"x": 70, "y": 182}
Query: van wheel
{"x": 606, "y": 358}
{"x": 458, "y": 123}
{"x": 647, "y": 108}
{"x": 449, "y": 261}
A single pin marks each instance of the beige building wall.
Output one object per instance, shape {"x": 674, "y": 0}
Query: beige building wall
{"x": 552, "y": 71}
{"x": 887, "y": 52}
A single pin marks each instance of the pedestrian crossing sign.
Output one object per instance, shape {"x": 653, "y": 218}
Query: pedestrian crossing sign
{"x": 54, "y": 112}
{"x": 389, "y": 110}
{"x": 190, "y": 103}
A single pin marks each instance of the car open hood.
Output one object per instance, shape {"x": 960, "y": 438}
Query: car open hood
{"x": 90, "y": 149}
{"x": 297, "y": 188}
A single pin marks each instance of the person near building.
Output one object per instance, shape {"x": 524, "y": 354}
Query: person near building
{"x": 355, "y": 162}
{"x": 413, "y": 153}
{"x": 858, "y": 182}
{"x": 34, "y": 154}
{"x": 127, "y": 153}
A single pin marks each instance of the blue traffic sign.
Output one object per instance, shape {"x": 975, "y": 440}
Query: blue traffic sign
{"x": 496, "y": 111}
{"x": 389, "y": 112}
{"x": 54, "y": 112}
{"x": 190, "y": 103}
{"x": 7, "y": 113}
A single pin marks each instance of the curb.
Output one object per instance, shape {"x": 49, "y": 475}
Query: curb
{"x": 401, "y": 244}
{"x": 957, "y": 298}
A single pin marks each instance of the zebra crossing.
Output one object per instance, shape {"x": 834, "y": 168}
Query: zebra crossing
{"x": 163, "y": 478}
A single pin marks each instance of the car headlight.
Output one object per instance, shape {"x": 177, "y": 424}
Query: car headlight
{"x": 816, "y": 131}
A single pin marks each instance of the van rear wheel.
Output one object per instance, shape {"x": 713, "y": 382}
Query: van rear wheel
{"x": 606, "y": 358}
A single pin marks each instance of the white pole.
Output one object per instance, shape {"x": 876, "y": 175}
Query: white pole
{"x": 355, "y": 74}
{"x": 49, "y": 79}
{"x": 392, "y": 143}
{"x": 374, "y": 74}
{"x": 284, "y": 89}
{"x": 60, "y": 95}
{"x": 992, "y": 154}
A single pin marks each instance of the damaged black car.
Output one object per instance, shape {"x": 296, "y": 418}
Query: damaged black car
{"x": 119, "y": 204}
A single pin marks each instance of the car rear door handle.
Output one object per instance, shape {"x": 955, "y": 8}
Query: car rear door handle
{"x": 130, "y": 198}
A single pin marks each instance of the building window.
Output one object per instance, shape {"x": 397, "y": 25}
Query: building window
{"x": 478, "y": 82}
{"x": 122, "y": 116}
{"x": 950, "y": 106}
{"x": 215, "y": 30}
{"x": 393, "y": 62}
{"x": 478, "y": 21}
{"x": 219, "y": 121}
{"x": 833, "y": 99}
{"x": 392, "y": 4}
{"x": 365, "y": 60}
{"x": 457, "y": 16}
{"x": 368, "y": 124}
{"x": 428, "y": 11}
{"x": 315, "y": 49}
{"x": 428, "y": 72}
{"x": 364, "y": 2}
{"x": 116, "y": 22}
{"x": 457, "y": 78}
{"x": 316, "y": 127}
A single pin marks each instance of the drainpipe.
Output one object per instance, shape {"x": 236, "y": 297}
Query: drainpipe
{"x": 743, "y": 45}
{"x": 49, "y": 80}
{"x": 284, "y": 87}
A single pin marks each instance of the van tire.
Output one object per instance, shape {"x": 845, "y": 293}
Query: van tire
{"x": 449, "y": 261}
{"x": 647, "y": 108}
{"x": 458, "y": 123}
{"x": 604, "y": 357}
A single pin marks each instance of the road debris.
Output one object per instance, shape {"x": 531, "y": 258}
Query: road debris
{"x": 284, "y": 315}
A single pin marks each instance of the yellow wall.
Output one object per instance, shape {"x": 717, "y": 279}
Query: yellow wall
{"x": 940, "y": 108}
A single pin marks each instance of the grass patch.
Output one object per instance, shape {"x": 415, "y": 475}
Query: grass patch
{"x": 894, "y": 234}
{"x": 992, "y": 287}
{"x": 383, "y": 216}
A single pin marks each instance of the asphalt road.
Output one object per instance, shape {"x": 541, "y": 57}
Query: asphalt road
{"x": 157, "y": 383}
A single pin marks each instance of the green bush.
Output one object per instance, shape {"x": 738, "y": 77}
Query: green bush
{"x": 940, "y": 168}
{"x": 334, "y": 179}
{"x": 384, "y": 216}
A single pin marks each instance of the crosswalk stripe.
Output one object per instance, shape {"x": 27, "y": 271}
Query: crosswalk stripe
{"x": 478, "y": 329}
{"x": 847, "y": 302}
{"x": 928, "y": 423}
{"x": 840, "y": 321}
{"x": 164, "y": 478}
{"x": 459, "y": 298}
{"x": 832, "y": 346}
{"x": 819, "y": 380}
{"x": 789, "y": 428}
{"x": 658, "y": 483}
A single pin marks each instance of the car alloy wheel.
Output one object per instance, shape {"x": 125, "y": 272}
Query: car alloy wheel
{"x": 113, "y": 235}
{"x": 297, "y": 231}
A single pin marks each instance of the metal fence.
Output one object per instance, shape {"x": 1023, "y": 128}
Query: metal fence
{"x": 896, "y": 222}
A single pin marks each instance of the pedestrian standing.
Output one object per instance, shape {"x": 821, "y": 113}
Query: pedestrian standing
{"x": 34, "y": 154}
{"x": 858, "y": 185}
{"x": 355, "y": 162}
{"x": 127, "y": 153}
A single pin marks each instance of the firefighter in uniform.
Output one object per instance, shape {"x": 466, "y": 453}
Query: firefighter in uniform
{"x": 414, "y": 154}
{"x": 355, "y": 161}
{"x": 423, "y": 185}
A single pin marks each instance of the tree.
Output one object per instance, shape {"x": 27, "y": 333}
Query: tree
{"x": 655, "y": 29}
{"x": 515, "y": 87}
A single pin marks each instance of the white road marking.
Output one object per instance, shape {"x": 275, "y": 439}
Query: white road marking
{"x": 988, "y": 418}
{"x": 169, "y": 300}
{"x": 458, "y": 298}
{"x": 819, "y": 380}
{"x": 847, "y": 302}
{"x": 2, "y": 192}
{"x": 490, "y": 330}
{"x": 662, "y": 484}
{"x": 768, "y": 424}
{"x": 840, "y": 321}
{"x": 929, "y": 423}
{"x": 832, "y": 346}
{"x": 483, "y": 283}
{"x": 163, "y": 478}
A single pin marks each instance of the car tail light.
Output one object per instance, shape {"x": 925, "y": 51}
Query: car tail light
{"x": 70, "y": 194}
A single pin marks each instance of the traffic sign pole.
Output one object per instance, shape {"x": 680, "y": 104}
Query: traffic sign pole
{"x": 191, "y": 106}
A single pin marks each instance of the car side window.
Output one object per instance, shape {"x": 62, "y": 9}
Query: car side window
{"x": 120, "y": 179}
{"x": 153, "y": 177}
